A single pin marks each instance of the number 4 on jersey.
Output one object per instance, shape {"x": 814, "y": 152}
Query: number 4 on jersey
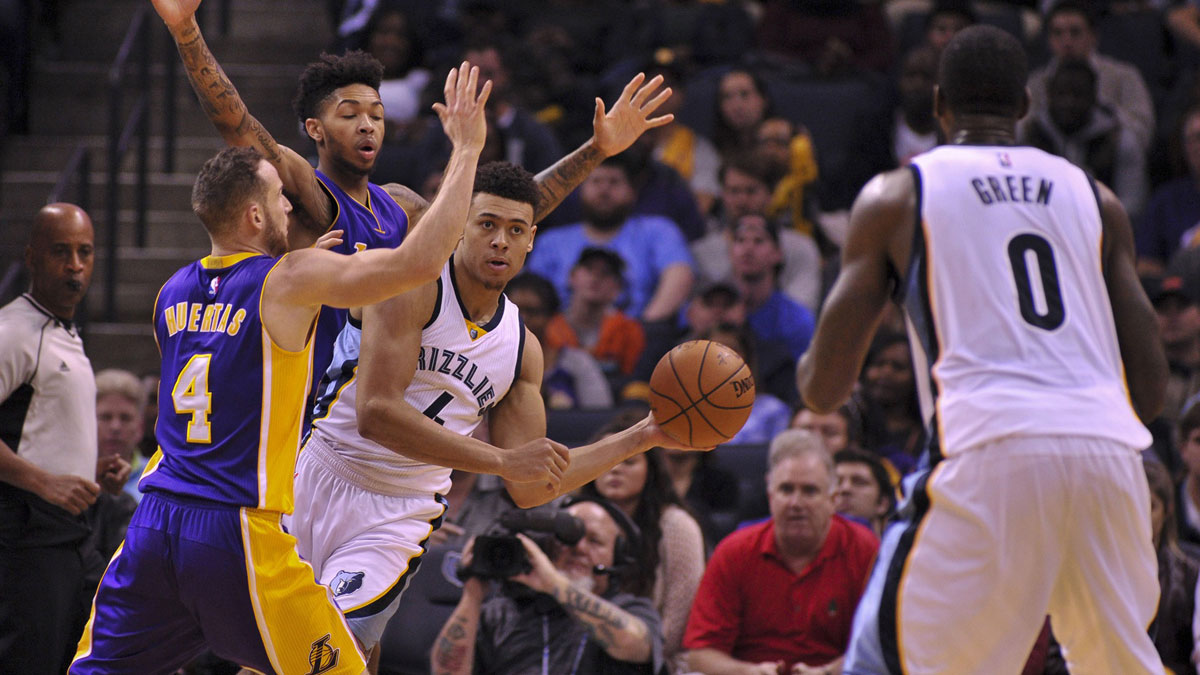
{"x": 191, "y": 397}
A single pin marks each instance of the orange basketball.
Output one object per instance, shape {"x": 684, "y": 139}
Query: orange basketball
{"x": 701, "y": 393}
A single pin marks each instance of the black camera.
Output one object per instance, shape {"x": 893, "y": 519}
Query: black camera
{"x": 500, "y": 555}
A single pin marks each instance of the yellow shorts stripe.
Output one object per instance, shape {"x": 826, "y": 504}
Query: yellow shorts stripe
{"x": 302, "y": 629}
{"x": 85, "y": 641}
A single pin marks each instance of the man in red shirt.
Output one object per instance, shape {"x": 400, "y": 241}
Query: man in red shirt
{"x": 782, "y": 593}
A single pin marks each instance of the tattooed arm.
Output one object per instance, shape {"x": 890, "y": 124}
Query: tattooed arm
{"x": 612, "y": 133}
{"x": 622, "y": 635}
{"x": 454, "y": 648}
{"x": 228, "y": 113}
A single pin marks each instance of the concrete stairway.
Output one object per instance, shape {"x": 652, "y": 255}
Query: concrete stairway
{"x": 267, "y": 46}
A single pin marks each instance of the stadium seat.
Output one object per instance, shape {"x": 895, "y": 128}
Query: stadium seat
{"x": 426, "y": 605}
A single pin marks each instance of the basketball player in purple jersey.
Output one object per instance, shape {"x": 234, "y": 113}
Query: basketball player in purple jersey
{"x": 338, "y": 103}
{"x": 206, "y": 561}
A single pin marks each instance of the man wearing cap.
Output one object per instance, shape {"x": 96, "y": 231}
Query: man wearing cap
{"x": 1175, "y": 303}
{"x": 592, "y": 320}
{"x": 756, "y": 258}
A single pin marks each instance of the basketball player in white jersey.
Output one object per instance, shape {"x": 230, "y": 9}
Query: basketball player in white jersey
{"x": 1040, "y": 354}
{"x": 409, "y": 388}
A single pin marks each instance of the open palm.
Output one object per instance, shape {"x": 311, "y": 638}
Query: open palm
{"x": 175, "y": 11}
{"x": 629, "y": 118}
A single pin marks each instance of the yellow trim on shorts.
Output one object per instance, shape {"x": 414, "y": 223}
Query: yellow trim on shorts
{"x": 85, "y": 641}
{"x": 301, "y": 628}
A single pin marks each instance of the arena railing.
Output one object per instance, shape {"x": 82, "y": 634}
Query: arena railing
{"x": 124, "y": 129}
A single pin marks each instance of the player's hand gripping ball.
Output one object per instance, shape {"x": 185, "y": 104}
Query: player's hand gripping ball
{"x": 701, "y": 393}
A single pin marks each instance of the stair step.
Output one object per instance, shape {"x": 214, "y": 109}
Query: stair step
{"x": 129, "y": 346}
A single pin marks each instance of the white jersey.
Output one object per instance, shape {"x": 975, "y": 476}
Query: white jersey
{"x": 1006, "y": 301}
{"x": 462, "y": 371}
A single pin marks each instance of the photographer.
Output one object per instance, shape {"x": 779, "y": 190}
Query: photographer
{"x": 576, "y": 622}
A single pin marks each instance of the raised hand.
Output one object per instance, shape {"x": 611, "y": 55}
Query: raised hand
{"x": 462, "y": 114}
{"x": 112, "y": 471}
{"x": 71, "y": 493}
{"x": 617, "y": 129}
{"x": 175, "y": 12}
{"x": 536, "y": 461}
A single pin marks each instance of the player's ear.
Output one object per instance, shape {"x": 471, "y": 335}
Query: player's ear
{"x": 314, "y": 129}
{"x": 532, "y": 235}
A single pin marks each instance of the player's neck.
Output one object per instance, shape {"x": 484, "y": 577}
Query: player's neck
{"x": 983, "y": 130}
{"x": 478, "y": 300}
{"x": 352, "y": 183}
{"x": 220, "y": 249}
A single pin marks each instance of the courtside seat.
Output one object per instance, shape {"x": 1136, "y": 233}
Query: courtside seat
{"x": 425, "y": 607}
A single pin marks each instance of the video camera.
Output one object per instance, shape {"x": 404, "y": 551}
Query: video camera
{"x": 500, "y": 555}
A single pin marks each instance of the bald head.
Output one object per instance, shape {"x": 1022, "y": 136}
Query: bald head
{"x": 59, "y": 257}
{"x": 52, "y": 218}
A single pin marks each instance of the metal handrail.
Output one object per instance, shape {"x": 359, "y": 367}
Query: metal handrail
{"x": 121, "y": 133}
{"x": 78, "y": 168}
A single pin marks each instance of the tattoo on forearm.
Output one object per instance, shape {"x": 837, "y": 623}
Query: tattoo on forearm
{"x": 451, "y": 652}
{"x": 218, "y": 96}
{"x": 555, "y": 183}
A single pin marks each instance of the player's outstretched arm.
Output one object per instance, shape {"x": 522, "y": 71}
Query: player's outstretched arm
{"x": 828, "y": 370}
{"x": 521, "y": 416}
{"x": 1137, "y": 326}
{"x": 388, "y": 358}
{"x": 612, "y": 132}
{"x": 228, "y": 113}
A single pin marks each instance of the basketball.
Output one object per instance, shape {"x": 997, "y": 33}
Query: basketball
{"x": 701, "y": 393}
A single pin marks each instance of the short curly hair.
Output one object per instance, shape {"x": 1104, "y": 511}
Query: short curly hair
{"x": 329, "y": 73}
{"x": 983, "y": 72}
{"x": 507, "y": 181}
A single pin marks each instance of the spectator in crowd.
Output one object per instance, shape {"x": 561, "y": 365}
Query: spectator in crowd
{"x": 698, "y": 31}
{"x": 864, "y": 488}
{"x": 1187, "y": 511}
{"x": 576, "y": 620}
{"x": 1178, "y": 572}
{"x": 120, "y": 400}
{"x": 571, "y": 377}
{"x": 915, "y": 129}
{"x": 1171, "y": 220}
{"x": 791, "y": 164}
{"x": 1176, "y": 305}
{"x": 769, "y": 415}
{"x": 1071, "y": 34}
{"x": 1075, "y": 125}
{"x": 525, "y": 140}
{"x": 831, "y": 36}
{"x": 592, "y": 321}
{"x": 946, "y": 18}
{"x": 710, "y": 492}
{"x": 49, "y": 472}
{"x": 672, "y": 546}
{"x": 120, "y": 417}
{"x": 756, "y": 257}
{"x": 658, "y": 273}
{"x": 148, "y": 444}
{"x": 783, "y": 592}
{"x": 742, "y": 104}
{"x": 838, "y": 430}
{"x": 892, "y": 426}
{"x": 690, "y": 154}
{"x": 746, "y": 190}
{"x": 393, "y": 39}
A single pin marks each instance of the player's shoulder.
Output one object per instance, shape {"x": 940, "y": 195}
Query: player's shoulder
{"x": 408, "y": 199}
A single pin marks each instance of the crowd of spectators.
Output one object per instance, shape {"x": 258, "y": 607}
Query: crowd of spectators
{"x": 726, "y": 225}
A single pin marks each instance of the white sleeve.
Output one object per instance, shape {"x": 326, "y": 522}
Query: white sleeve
{"x": 18, "y": 357}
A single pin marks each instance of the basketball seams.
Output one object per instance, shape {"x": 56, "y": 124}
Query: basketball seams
{"x": 694, "y": 404}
